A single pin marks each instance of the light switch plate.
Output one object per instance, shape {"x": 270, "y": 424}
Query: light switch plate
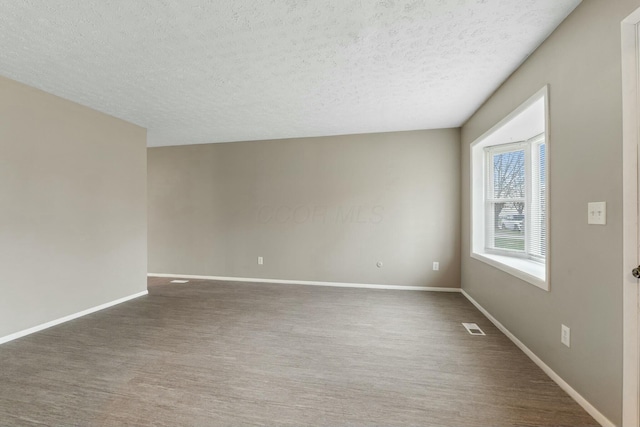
{"x": 565, "y": 337}
{"x": 597, "y": 213}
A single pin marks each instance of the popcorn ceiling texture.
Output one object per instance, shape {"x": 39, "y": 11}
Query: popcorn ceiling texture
{"x": 197, "y": 71}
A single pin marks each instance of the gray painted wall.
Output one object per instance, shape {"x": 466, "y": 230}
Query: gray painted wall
{"x": 581, "y": 62}
{"x": 318, "y": 209}
{"x": 72, "y": 208}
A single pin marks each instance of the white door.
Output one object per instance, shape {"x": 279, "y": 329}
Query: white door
{"x": 631, "y": 217}
{"x": 638, "y": 227}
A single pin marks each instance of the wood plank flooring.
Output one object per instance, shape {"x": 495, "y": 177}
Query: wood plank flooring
{"x": 215, "y": 353}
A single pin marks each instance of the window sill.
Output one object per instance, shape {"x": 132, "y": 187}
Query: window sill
{"x": 524, "y": 269}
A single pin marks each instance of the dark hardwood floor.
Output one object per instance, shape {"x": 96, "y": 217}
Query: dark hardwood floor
{"x": 216, "y": 353}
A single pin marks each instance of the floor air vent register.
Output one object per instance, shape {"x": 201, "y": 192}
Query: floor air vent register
{"x": 473, "y": 329}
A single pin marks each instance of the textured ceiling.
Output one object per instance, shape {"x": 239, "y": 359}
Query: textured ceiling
{"x": 198, "y": 71}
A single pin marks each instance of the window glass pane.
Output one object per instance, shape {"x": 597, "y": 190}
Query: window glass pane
{"x": 508, "y": 226}
{"x": 508, "y": 175}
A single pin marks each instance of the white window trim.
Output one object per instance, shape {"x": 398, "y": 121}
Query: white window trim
{"x": 528, "y": 270}
{"x": 522, "y": 268}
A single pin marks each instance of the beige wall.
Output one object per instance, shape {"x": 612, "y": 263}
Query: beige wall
{"x": 72, "y": 208}
{"x": 581, "y": 62}
{"x": 319, "y": 209}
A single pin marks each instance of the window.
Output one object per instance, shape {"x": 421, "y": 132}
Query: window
{"x": 509, "y": 193}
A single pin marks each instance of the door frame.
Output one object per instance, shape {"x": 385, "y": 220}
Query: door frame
{"x": 631, "y": 236}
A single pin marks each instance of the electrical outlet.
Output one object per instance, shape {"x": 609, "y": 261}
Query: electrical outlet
{"x": 436, "y": 266}
{"x": 260, "y": 260}
{"x": 565, "y": 336}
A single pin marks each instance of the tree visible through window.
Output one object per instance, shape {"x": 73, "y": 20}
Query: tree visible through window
{"x": 508, "y": 204}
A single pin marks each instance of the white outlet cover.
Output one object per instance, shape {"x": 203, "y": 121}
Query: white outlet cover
{"x": 260, "y": 260}
{"x": 565, "y": 336}
{"x": 436, "y": 266}
{"x": 597, "y": 213}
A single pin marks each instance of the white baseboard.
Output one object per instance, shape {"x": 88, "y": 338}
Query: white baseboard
{"x": 306, "y": 283}
{"x": 597, "y": 415}
{"x": 43, "y": 326}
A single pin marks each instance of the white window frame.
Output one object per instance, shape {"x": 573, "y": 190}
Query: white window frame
{"x": 521, "y": 264}
{"x": 531, "y": 172}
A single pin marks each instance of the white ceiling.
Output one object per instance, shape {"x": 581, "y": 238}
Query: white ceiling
{"x": 199, "y": 71}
